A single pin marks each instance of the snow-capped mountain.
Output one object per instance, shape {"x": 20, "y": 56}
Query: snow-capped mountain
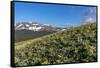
{"x": 35, "y": 27}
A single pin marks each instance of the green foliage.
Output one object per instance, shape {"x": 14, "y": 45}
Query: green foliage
{"x": 77, "y": 44}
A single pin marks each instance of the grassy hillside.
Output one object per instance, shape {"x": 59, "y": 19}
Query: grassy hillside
{"x": 74, "y": 45}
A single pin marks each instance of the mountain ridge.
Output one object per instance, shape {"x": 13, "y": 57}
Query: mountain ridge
{"x": 35, "y": 27}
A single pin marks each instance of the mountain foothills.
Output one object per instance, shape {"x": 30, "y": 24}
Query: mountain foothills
{"x": 26, "y": 30}
{"x": 74, "y": 45}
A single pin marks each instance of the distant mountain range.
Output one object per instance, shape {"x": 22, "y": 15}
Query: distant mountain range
{"x": 27, "y": 30}
{"x": 35, "y": 27}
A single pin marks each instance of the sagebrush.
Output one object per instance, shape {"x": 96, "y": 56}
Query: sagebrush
{"x": 74, "y": 45}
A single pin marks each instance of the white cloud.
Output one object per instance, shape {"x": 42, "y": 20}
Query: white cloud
{"x": 89, "y": 20}
{"x": 90, "y": 11}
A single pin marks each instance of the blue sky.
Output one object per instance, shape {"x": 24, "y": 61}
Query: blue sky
{"x": 55, "y": 15}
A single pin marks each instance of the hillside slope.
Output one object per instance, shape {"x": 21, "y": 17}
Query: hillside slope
{"x": 74, "y": 45}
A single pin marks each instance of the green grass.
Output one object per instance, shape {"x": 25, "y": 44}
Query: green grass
{"x": 73, "y": 45}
